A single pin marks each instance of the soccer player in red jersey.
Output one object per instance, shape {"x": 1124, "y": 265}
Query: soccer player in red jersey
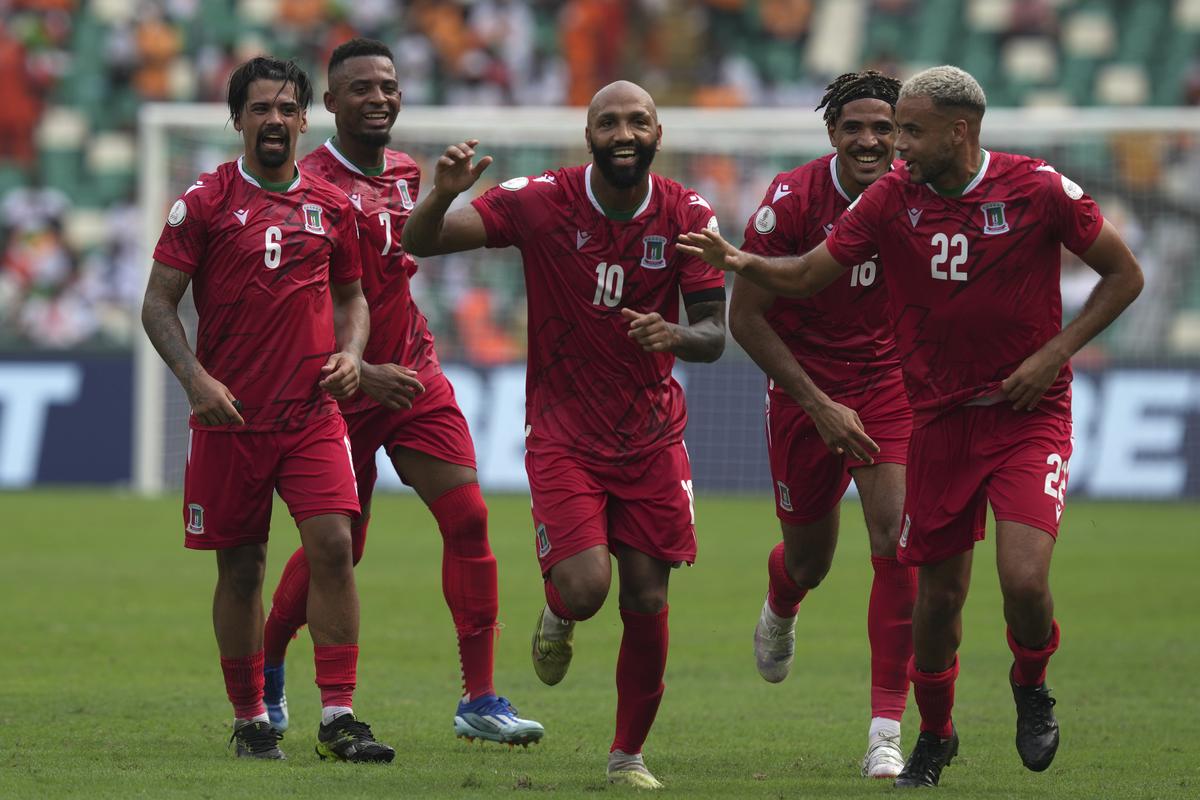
{"x": 971, "y": 243}
{"x": 608, "y": 470}
{"x": 272, "y": 256}
{"x": 835, "y": 404}
{"x": 406, "y": 404}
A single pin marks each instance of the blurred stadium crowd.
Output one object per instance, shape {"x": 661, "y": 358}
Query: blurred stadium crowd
{"x": 74, "y": 73}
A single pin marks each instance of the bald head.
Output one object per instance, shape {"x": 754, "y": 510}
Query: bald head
{"x": 621, "y": 94}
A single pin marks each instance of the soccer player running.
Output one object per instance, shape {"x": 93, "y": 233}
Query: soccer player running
{"x": 835, "y": 405}
{"x": 971, "y": 243}
{"x": 272, "y": 252}
{"x": 608, "y": 470}
{"x": 406, "y": 405}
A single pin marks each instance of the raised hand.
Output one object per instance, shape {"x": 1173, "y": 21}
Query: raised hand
{"x": 456, "y": 170}
{"x": 391, "y": 385}
{"x": 712, "y": 247}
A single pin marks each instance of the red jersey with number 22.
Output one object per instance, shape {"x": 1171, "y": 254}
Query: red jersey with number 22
{"x": 974, "y": 279}
{"x": 591, "y": 389}
{"x": 261, "y": 263}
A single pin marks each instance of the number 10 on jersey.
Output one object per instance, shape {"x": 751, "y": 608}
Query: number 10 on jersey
{"x": 610, "y": 280}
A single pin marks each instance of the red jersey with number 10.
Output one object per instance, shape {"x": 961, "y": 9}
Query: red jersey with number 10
{"x": 399, "y": 332}
{"x": 974, "y": 279}
{"x": 842, "y": 336}
{"x": 261, "y": 263}
{"x": 590, "y": 389}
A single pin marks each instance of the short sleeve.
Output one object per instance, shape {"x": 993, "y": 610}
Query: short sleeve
{"x": 500, "y": 208}
{"x": 1079, "y": 218}
{"x": 184, "y": 237}
{"x": 855, "y": 236}
{"x": 345, "y": 264}
{"x": 772, "y": 231}
{"x": 695, "y": 274}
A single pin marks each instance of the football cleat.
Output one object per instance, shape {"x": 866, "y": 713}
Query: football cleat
{"x": 931, "y": 755}
{"x": 256, "y": 740}
{"x": 774, "y": 644}
{"x": 627, "y": 770}
{"x": 348, "y": 739}
{"x": 493, "y": 718}
{"x": 552, "y": 657}
{"x": 274, "y": 698}
{"x": 884, "y": 759}
{"x": 1037, "y": 728}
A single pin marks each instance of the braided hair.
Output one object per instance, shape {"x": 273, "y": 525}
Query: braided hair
{"x": 852, "y": 86}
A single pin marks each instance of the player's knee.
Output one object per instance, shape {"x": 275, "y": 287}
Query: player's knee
{"x": 467, "y": 536}
{"x": 940, "y": 601}
{"x": 808, "y": 570}
{"x": 644, "y": 600}
{"x": 330, "y": 551}
{"x": 358, "y": 537}
{"x": 885, "y": 538}
{"x": 241, "y": 574}
{"x": 584, "y": 597}
{"x": 1026, "y": 591}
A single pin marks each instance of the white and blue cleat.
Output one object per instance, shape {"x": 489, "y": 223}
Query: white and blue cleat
{"x": 494, "y": 719}
{"x": 274, "y": 698}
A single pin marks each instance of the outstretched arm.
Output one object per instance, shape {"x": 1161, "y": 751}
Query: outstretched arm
{"x": 429, "y": 231}
{"x": 795, "y": 276}
{"x": 1120, "y": 282}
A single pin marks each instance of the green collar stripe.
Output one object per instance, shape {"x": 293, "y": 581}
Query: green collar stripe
{"x": 372, "y": 172}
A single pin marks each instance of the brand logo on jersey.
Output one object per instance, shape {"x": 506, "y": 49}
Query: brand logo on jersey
{"x": 356, "y": 200}
{"x": 914, "y": 215}
{"x": 785, "y": 496}
{"x": 405, "y": 198}
{"x": 312, "y": 218}
{"x": 697, "y": 200}
{"x": 993, "y": 219}
{"x": 545, "y": 179}
{"x": 764, "y": 220}
{"x": 514, "y": 184}
{"x": 241, "y": 215}
{"x": 1073, "y": 190}
{"x": 581, "y": 238}
{"x": 195, "y": 524}
{"x": 781, "y": 190}
{"x": 653, "y": 253}
{"x": 178, "y": 213}
{"x": 543, "y": 541}
{"x": 194, "y": 187}
{"x": 828, "y": 226}
{"x": 904, "y": 532}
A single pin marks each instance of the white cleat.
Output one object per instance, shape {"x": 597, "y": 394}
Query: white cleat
{"x": 884, "y": 758}
{"x": 630, "y": 770}
{"x": 774, "y": 644}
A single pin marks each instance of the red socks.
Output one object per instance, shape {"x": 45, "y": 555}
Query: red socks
{"x": 1029, "y": 666}
{"x": 244, "y": 685}
{"x": 935, "y": 697}
{"x": 889, "y": 629}
{"x": 469, "y": 582}
{"x": 337, "y": 673}
{"x": 640, "y": 667}
{"x": 783, "y": 594}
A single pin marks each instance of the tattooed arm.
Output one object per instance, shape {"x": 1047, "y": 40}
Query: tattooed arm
{"x": 702, "y": 339}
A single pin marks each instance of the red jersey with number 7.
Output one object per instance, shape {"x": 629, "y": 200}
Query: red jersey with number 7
{"x": 590, "y": 389}
{"x": 261, "y": 263}
{"x": 973, "y": 280}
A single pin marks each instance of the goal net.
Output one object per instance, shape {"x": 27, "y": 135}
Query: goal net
{"x": 1136, "y": 398}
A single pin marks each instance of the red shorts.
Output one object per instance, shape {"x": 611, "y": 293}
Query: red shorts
{"x": 228, "y": 482}
{"x": 809, "y": 478}
{"x": 646, "y": 505}
{"x": 434, "y": 425}
{"x": 975, "y": 455}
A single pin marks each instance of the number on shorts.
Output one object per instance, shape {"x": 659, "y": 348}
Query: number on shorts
{"x": 1056, "y": 478}
{"x": 687, "y": 489}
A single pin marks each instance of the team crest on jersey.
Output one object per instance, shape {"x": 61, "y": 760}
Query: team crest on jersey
{"x": 195, "y": 524}
{"x": 785, "y": 496}
{"x": 178, "y": 214}
{"x": 764, "y": 220}
{"x": 405, "y": 198}
{"x": 993, "y": 219}
{"x": 654, "y": 252}
{"x": 543, "y": 541}
{"x": 312, "y": 218}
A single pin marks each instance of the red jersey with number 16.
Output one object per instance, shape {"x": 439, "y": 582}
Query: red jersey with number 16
{"x": 842, "y": 336}
{"x": 399, "y": 332}
{"x": 974, "y": 279}
{"x": 590, "y": 389}
{"x": 261, "y": 262}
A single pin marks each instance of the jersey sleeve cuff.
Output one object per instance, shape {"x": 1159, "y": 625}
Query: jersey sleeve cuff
{"x": 174, "y": 262}
{"x": 487, "y": 216}
{"x": 838, "y": 256}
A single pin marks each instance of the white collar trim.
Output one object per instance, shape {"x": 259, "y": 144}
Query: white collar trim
{"x": 250, "y": 179}
{"x": 587, "y": 183}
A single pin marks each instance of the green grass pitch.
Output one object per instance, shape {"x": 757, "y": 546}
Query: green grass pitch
{"x": 110, "y": 687}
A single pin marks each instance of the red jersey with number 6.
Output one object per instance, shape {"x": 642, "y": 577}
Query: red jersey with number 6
{"x": 974, "y": 279}
{"x": 399, "y": 331}
{"x": 261, "y": 262}
{"x": 590, "y": 389}
{"x": 842, "y": 336}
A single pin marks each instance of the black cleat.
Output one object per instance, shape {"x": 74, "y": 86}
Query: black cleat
{"x": 257, "y": 740}
{"x": 347, "y": 739}
{"x": 924, "y": 766}
{"x": 1037, "y": 729}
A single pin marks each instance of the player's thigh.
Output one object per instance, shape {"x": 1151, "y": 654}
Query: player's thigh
{"x": 227, "y": 488}
{"x": 1023, "y": 554}
{"x": 652, "y": 506}
{"x": 809, "y": 479}
{"x": 316, "y": 471}
{"x": 568, "y": 505}
{"x": 431, "y": 447}
{"x": 1029, "y": 484}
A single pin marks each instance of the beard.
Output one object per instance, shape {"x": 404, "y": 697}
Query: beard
{"x": 625, "y": 176}
{"x": 372, "y": 138}
{"x": 272, "y": 158}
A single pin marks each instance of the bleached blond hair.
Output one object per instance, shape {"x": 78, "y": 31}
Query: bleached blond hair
{"x": 946, "y": 86}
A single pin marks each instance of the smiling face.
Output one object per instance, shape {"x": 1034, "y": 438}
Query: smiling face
{"x": 927, "y": 138}
{"x": 364, "y": 98}
{"x": 271, "y": 122}
{"x": 623, "y": 134}
{"x": 864, "y": 135}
